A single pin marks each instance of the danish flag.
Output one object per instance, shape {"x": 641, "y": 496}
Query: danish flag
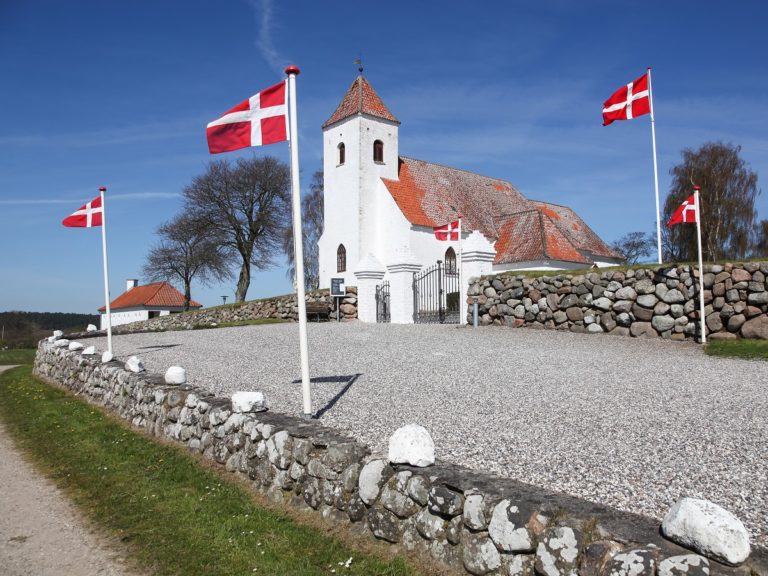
{"x": 88, "y": 216}
{"x": 685, "y": 214}
{"x": 447, "y": 231}
{"x": 628, "y": 102}
{"x": 262, "y": 119}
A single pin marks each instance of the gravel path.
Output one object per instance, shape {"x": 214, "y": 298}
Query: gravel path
{"x": 631, "y": 423}
{"x": 41, "y": 534}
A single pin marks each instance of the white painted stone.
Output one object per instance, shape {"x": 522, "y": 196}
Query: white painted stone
{"x": 707, "y": 529}
{"x": 134, "y": 364}
{"x": 63, "y": 343}
{"x": 412, "y": 444}
{"x": 91, "y": 328}
{"x": 371, "y": 479}
{"x": 507, "y": 535}
{"x": 57, "y": 334}
{"x": 175, "y": 375}
{"x": 107, "y": 357}
{"x": 75, "y": 346}
{"x": 685, "y": 564}
{"x": 249, "y": 402}
{"x": 90, "y": 351}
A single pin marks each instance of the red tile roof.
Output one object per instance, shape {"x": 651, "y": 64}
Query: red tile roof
{"x": 157, "y": 295}
{"x": 577, "y": 231}
{"x": 532, "y": 235}
{"x": 433, "y": 195}
{"x": 361, "y": 98}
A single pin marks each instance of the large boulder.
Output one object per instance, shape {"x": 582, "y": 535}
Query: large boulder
{"x": 508, "y": 528}
{"x": 755, "y": 328}
{"x": 707, "y": 529}
{"x": 243, "y": 402}
{"x": 412, "y": 444}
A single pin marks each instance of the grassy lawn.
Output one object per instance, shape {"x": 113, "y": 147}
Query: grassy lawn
{"x": 177, "y": 515}
{"x": 746, "y": 349}
{"x": 20, "y": 356}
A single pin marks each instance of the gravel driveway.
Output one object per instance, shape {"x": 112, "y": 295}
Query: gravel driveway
{"x": 631, "y": 423}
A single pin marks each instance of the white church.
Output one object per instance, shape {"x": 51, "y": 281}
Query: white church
{"x": 380, "y": 209}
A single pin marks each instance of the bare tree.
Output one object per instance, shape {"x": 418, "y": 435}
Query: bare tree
{"x": 312, "y": 229}
{"x": 728, "y": 191}
{"x": 247, "y": 205}
{"x": 187, "y": 250}
{"x": 760, "y": 243}
{"x": 635, "y": 246}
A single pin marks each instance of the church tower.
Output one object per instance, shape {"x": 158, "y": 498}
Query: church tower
{"x": 360, "y": 146}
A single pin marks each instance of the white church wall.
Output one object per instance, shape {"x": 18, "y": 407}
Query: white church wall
{"x": 340, "y": 202}
{"x": 350, "y": 192}
{"x": 394, "y": 229}
{"x": 371, "y": 224}
{"x": 539, "y": 265}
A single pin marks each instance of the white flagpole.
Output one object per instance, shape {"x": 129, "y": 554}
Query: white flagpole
{"x": 655, "y": 165}
{"x": 298, "y": 248}
{"x": 462, "y": 292}
{"x": 102, "y": 189}
{"x": 697, "y": 199}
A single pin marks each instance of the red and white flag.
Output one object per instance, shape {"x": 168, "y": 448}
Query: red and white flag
{"x": 260, "y": 120}
{"x": 628, "y": 102}
{"x": 447, "y": 231}
{"x": 88, "y": 216}
{"x": 685, "y": 214}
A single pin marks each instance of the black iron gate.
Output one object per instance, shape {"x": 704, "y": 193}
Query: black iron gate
{"x": 436, "y": 295}
{"x": 382, "y": 302}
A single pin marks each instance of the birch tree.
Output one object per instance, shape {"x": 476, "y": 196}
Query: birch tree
{"x": 728, "y": 191}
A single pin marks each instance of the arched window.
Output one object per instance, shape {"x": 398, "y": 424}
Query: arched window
{"x": 450, "y": 261}
{"x": 342, "y": 150}
{"x": 341, "y": 259}
{"x": 378, "y": 151}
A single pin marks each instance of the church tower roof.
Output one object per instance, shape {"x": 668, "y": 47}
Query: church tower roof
{"x": 361, "y": 98}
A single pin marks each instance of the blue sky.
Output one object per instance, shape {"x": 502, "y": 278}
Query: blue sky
{"x": 118, "y": 94}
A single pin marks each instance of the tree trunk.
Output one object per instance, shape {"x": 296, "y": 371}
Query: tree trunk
{"x": 243, "y": 281}
{"x": 187, "y": 295}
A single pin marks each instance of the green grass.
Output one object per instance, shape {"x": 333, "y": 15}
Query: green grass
{"x": 746, "y": 348}
{"x": 177, "y": 515}
{"x": 19, "y": 356}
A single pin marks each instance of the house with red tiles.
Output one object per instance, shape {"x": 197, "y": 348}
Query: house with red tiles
{"x": 380, "y": 209}
{"x": 145, "y": 302}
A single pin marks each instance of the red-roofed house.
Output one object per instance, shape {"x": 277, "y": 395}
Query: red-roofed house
{"x": 144, "y": 302}
{"x": 380, "y": 208}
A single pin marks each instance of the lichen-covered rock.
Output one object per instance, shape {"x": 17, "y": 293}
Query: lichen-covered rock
{"x": 639, "y": 562}
{"x": 384, "y": 525}
{"x": 685, "y": 565}
{"x": 519, "y": 565}
{"x": 429, "y": 525}
{"x": 708, "y": 529}
{"x": 596, "y": 555}
{"x": 508, "y": 528}
{"x": 372, "y": 477}
{"x": 558, "y": 552}
{"x": 397, "y": 503}
{"x": 356, "y": 509}
{"x": 445, "y": 501}
{"x": 480, "y": 556}
{"x": 279, "y": 449}
{"x": 418, "y": 488}
{"x": 476, "y": 513}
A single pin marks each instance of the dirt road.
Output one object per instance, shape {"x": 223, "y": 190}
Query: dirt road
{"x": 41, "y": 534}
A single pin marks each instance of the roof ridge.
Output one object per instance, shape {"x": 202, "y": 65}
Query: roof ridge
{"x": 458, "y": 170}
{"x": 551, "y": 204}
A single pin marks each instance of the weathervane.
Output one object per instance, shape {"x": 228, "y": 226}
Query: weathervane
{"x": 359, "y": 62}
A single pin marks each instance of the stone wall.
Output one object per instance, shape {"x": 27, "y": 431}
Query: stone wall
{"x": 469, "y": 522}
{"x": 660, "y": 302}
{"x": 278, "y": 307}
